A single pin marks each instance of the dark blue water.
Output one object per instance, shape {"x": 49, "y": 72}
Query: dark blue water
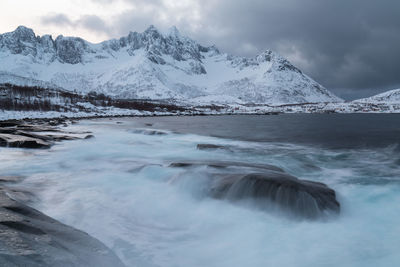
{"x": 327, "y": 130}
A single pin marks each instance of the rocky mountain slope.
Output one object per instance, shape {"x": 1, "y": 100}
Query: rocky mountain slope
{"x": 392, "y": 96}
{"x": 152, "y": 65}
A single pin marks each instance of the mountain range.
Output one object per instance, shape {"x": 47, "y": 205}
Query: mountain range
{"x": 153, "y": 65}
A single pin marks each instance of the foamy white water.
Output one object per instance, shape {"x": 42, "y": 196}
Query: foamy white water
{"x": 118, "y": 188}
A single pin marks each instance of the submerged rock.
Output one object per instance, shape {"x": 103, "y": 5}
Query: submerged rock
{"x": 149, "y": 132}
{"x": 10, "y": 179}
{"x": 30, "y": 238}
{"x": 89, "y": 136}
{"x": 302, "y": 198}
{"x": 225, "y": 164}
{"x": 211, "y": 147}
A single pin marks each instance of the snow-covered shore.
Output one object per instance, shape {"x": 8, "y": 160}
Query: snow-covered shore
{"x": 349, "y": 107}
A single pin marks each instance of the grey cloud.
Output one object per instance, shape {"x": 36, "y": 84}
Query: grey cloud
{"x": 351, "y": 47}
{"x": 93, "y": 23}
{"x": 343, "y": 44}
{"x": 89, "y": 22}
{"x": 57, "y": 19}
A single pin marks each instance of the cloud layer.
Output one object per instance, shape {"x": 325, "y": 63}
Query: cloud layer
{"x": 349, "y": 46}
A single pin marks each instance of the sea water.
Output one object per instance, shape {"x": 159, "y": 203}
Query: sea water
{"x": 119, "y": 187}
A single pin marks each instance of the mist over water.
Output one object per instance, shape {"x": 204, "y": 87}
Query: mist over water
{"x": 119, "y": 187}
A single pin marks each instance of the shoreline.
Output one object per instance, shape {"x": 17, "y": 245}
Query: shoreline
{"x": 79, "y": 118}
{"x": 112, "y": 122}
{"x": 29, "y": 237}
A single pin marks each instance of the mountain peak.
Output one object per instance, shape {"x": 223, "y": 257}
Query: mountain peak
{"x": 22, "y": 28}
{"x": 151, "y": 29}
{"x": 174, "y": 32}
{"x": 24, "y": 33}
{"x": 392, "y": 96}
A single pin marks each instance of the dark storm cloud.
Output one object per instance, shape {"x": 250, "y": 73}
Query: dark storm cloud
{"x": 342, "y": 44}
{"x": 350, "y": 46}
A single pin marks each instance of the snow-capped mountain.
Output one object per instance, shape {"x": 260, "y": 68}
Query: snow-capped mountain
{"x": 152, "y": 65}
{"x": 392, "y": 96}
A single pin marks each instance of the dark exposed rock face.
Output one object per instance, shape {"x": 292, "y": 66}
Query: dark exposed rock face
{"x": 24, "y": 135}
{"x": 269, "y": 187}
{"x": 30, "y": 238}
{"x": 302, "y": 198}
{"x": 70, "y": 50}
{"x": 12, "y": 140}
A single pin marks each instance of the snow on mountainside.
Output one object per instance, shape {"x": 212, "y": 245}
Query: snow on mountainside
{"x": 151, "y": 65}
{"x": 392, "y": 96}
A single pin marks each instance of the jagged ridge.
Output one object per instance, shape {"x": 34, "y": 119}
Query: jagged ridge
{"x": 153, "y": 65}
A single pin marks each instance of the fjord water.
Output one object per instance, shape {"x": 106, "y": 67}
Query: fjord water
{"x": 119, "y": 188}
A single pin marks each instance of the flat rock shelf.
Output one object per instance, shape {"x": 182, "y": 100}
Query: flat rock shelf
{"x": 30, "y": 238}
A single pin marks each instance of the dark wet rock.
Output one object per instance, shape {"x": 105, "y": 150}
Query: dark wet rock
{"x": 306, "y": 199}
{"x": 10, "y": 123}
{"x": 58, "y": 138}
{"x": 182, "y": 164}
{"x": 32, "y": 135}
{"x": 55, "y": 122}
{"x": 37, "y": 128}
{"x": 30, "y": 238}
{"x": 43, "y": 135}
{"x": 10, "y": 179}
{"x": 149, "y": 132}
{"x": 268, "y": 187}
{"x": 22, "y": 227}
{"x": 148, "y": 124}
{"x": 11, "y": 140}
{"x": 89, "y": 136}
{"x": 211, "y": 147}
{"x": 7, "y": 130}
{"x": 226, "y": 164}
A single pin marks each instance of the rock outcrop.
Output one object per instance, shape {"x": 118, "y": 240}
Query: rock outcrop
{"x": 268, "y": 187}
{"x": 43, "y": 135}
{"x": 27, "y": 236}
{"x": 30, "y": 238}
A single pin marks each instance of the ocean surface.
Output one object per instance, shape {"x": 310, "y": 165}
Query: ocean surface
{"x": 120, "y": 188}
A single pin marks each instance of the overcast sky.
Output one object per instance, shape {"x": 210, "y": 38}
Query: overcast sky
{"x": 352, "y": 47}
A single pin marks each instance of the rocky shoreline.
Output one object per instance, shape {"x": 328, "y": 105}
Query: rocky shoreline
{"x": 30, "y": 238}
{"x": 27, "y": 236}
{"x": 37, "y": 134}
